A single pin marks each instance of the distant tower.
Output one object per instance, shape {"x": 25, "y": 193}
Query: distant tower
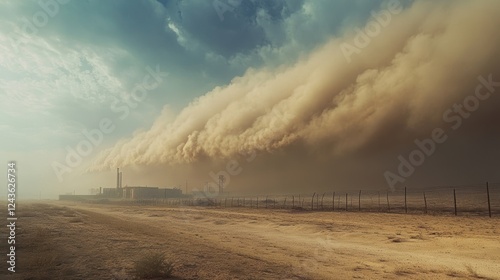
{"x": 121, "y": 179}
{"x": 221, "y": 183}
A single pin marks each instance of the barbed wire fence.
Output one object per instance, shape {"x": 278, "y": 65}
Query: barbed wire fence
{"x": 481, "y": 199}
{"x": 472, "y": 199}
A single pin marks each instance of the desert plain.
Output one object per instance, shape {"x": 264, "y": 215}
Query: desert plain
{"x": 70, "y": 240}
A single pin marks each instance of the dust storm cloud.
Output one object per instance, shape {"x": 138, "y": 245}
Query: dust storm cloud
{"x": 337, "y": 119}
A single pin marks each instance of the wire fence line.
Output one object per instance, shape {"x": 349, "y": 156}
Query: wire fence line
{"x": 474, "y": 199}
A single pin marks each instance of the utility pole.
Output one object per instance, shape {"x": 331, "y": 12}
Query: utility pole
{"x": 221, "y": 183}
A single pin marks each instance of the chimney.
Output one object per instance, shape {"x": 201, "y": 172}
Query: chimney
{"x": 118, "y": 178}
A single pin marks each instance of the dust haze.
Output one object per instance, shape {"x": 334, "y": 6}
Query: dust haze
{"x": 325, "y": 121}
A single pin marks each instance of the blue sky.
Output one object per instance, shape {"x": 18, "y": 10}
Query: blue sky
{"x": 67, "y": 65}
{"x": 65, "y": 74}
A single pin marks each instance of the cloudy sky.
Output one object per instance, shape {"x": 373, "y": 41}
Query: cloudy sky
{"x": 295, "y": 96}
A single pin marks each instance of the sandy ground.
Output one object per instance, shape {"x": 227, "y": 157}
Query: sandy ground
{"x": 59, "y": 240}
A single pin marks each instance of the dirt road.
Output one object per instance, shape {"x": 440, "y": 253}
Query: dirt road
{"x": 94, "y": 241}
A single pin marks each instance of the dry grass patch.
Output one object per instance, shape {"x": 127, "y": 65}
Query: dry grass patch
{"x": 396, "y": 239}
{"x": 404, "y": 271}
{"x": 419, "y": 236}
{"x": 76, "y": 220}
{"x": 153, "y": 265}
{"x": 37, "y": 238}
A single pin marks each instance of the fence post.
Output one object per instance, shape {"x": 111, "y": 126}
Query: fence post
{"x": 455, "y": 201}
{"x": 322, "y": 200}
{"x": 312, "y": 201}
{"x": 388, "y": 205}
{"x": 488, "y": 193}
{"x": 425, "y": 203}
{"x": 406, "y": 206}
{"x": 333, "y": 202}
{"x": 359, "y": 201}
{"x": 379, "y": 208}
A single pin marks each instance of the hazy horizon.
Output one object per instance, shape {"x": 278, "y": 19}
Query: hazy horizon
{"x": 281, "y": 96}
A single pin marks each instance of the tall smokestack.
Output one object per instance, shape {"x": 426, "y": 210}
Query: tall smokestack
{"x": 118, "y": 178}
